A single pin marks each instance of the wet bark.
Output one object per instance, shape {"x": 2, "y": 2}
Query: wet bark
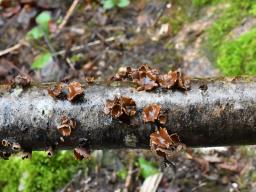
{"x": 214, "y": 112}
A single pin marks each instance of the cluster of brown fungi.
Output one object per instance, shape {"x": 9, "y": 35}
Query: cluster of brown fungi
{"x": 122, "y": 108}
{"x": 71, "y": 91}
{"x": 12, "y": 147}
{"x": 148, "y": 79}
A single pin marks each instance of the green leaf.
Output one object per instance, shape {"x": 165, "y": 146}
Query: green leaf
{"x": 41, "y": 60}
{"x": 122, "y": 174}
{"x": 35, "y": 33}
{"x": 109, "y": 4}
{"x": 43, "y": 18}
{"x": 123, "y": 3}
{"x": 147, "y": 168}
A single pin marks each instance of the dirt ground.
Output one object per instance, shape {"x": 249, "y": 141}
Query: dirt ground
{"x": 97, "y": 43}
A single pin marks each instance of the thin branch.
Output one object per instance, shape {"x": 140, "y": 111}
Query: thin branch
{"x": 68, "y": 15}
{"x": 11, "y": 49}
{"x": 214, "y": 112}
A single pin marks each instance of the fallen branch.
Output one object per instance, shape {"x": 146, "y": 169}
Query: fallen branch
{"x": 214, "y": 112}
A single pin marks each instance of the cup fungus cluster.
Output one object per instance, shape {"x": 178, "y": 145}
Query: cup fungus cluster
{"x": 66, "y": 126}
{"x": 148, "y": 79}
{"x": 13, "y": 146}
{"x": 153, "y": 113}
{"x": 10, "y": 147}
{"x": 71, "y": 91}
{"x": 81, "y": 153}
{"x": 161, "y": 143}
{"x": 22, "y": 81}
{"x": 121, "y": 107}
{"x": 165, "y": 145}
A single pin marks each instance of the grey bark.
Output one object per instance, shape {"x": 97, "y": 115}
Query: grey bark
{"x": 224, "y": 114}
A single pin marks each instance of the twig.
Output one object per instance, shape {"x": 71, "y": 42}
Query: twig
{"x": 10, "y": 49}
{"x": 129, "y": 176}
{"x": 75, "y": 177}
{"x": 68, "y": 14}
{"x": 80, "y": 47}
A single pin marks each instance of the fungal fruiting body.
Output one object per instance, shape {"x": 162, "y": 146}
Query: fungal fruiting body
{"x": 122, "y": 106}
{"x": 81, "y": 153}
{"x": 165, "y": 145}
{"x": 71, "y": 91}
{"x": 67, "y": 124}
{"x": 147, "y": 78}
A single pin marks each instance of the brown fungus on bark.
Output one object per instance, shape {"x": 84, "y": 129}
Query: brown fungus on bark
{"x": 69, "y": 91}
{"x": 90, "y": 80}
{"x": 151, "y": 113}
{"x": 166, "y": 81}
{"x": 165, "y": 145}
{"x": 22, "y": 81}
{"x": 6, "y": 143}
{"x": 65, "y": 130}
{"x": 67, "y": 124}
{"x": 147, "y": 78}
{"x": 5, "y": 155}
{"x": 122, "y": 106}
{"x": 55, "y": 91}
{"x": 81, "y": 153}
{"x": 26, "y": 154}
{"x": 162, "y": 118}
{"x": 16, "y": 147}
{"x": 49, "y": 151}
{"x": 74, "y": 90}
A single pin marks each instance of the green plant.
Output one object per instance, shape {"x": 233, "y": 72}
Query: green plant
{"x": 38, "y": 174}
{"x": 42, "y": 27}
{"x": 238, "y": 56}
{"x": 233, "y": 57}
{"x": 147, "y": 168}
{"x": 110, "y": 4}
{"x": 41, "y": 60}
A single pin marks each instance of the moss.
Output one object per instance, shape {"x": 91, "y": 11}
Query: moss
{"x": 238, "y": 56}
{"x": 202, "y": 3}
{"x": 38, "y": 174}
{"x": 233, "y": 57}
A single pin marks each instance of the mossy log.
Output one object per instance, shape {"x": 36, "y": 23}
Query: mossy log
{"x": 214, "y": 112}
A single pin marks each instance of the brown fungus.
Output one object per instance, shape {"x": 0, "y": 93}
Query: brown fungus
{"x": 165, "y": 145}
{"x": 81, "y": 153}
{"x": 67, "y": 124}
{"x": 123, "y": 106}
{"x": 6, "y": 143}
{"x": 150, "y": 113}
{"x": 147, "y": 78}
{"x": 166, "y": 81}
{"x": 162, "y": 118}
{"x": 90, "y": 80}
{"x": 69, "y": 91}
{"x": 26, "y": 155}
{"x": 65, "y": 130}
{"x": 49, "y": 151}
{"x": 22, "y": 81}
{"x": 55, "y": 91}
{"x": 74, "y": 90}
{"x": 161, "y": 138}
{"x": 16, "y": 147}
{"x": 5, "y": 155}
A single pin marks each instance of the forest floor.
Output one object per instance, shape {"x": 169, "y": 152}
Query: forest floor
{"x": 95, "y": 42}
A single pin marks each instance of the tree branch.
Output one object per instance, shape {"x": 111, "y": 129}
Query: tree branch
{"x": 214, "y": 112}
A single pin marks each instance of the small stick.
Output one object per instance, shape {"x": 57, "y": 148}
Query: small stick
{"x": 10, "y": 49}
{"x": 68, "y": 14}
{"x": 129, "y": 177}
{"x": 80, "y": 47}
